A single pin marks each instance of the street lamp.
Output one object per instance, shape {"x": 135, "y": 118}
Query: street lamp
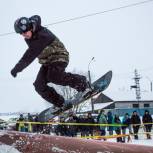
{"x": 150, "y": 83}
{"x": 89, "y": 76}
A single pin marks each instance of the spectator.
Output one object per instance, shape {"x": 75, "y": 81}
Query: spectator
{"x": 26, "y": 125}
{"x": 30, "y": 125}
{"x": 127, "y": 125}
{"x": 110, "y": 121}
{"x": 147, "y": 119}
{"x": 117, "y": 128}
{"x": 77, "y": 120}
{"x": 71, "y": 128}
{"x": 61, "y": 129}
{"x": 135, "y": 121}
{"x": 21, "y": 126}
{"x": 102, "y": 120}
{"x": 36, "y": 127}
{"x": 83, "y": 128}
{"x": 90, "y": 120}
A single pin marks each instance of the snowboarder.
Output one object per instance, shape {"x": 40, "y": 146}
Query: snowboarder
{"x": 53, "y": 57}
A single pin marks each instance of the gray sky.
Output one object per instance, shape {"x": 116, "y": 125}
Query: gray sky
{"x": 120, "y": 41}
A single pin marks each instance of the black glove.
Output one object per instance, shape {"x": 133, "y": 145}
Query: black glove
{"x": 14, "y": 73}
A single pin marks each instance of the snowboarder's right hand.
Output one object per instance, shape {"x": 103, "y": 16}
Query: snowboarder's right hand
{"x": 13, "y": 73}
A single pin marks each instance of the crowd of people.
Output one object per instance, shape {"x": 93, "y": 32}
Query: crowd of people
{"x": 89, "y": 126}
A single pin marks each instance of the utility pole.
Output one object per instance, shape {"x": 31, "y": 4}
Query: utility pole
{"x": 137, "y": 85}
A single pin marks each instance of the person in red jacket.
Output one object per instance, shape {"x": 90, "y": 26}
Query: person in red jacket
{"x": 53, "y": 57}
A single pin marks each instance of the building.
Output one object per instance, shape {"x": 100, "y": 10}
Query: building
{"x": 134, "y": 104}
{"x": 122, "y": 107}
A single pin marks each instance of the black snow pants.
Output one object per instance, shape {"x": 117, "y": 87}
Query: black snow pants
{"x": 136, "y": 130}
{"x": 55, "y": 73}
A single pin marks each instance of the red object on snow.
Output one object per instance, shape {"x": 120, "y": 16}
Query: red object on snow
{"x": 37, "y": 143}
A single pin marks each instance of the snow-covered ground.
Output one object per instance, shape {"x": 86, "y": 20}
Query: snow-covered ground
{"x": 8, "y": 149}
{"x": 8, "y": 117}
{"x": 142, "y": 141}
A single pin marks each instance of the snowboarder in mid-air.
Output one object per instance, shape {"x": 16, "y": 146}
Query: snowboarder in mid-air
{"x": 53, "y": 57}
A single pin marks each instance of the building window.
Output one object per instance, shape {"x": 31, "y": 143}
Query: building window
{"x": 146, "y": 105}
{"x": 135, "y": 105}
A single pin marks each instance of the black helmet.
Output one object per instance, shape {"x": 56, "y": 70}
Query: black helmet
{"x": 22, "y": 25}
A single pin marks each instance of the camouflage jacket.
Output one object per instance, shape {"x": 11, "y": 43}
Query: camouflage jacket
{"x": 55, "y": 52}
{"x": 44, "y": 45}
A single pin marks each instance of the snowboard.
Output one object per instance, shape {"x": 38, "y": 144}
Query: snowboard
{"x": 98, "y": 86}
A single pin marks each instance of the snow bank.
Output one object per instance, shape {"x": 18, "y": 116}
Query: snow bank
{"x": 8, "y": 149}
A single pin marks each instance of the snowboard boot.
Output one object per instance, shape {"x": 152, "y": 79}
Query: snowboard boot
{"x": 67, "y": 105}
{"x": 64, "y": 107}
{"x": 55, "y": 109}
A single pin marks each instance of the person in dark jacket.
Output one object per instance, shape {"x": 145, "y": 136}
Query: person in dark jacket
{"x": 126, "y": 125}
{"x": 117, "y": 128}
{"x": 135, "y": 121}
{"x": 71, "y": 129}
{"x": 62, "y": 129}
{"x": 110, "y": 121}
{"x": 91, "y": 121}
{"x": 54, "y": 58}
{"x": 76, "y": 119}
{"x": 83, "y": 128}
{"x": 36, "y": 127}
{"x": 147, "y": 121}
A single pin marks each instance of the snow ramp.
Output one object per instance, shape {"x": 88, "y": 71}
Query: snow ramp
{"x": 17, "y": 142}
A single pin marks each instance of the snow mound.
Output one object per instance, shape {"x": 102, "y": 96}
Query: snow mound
{"x": 8, "y": 149}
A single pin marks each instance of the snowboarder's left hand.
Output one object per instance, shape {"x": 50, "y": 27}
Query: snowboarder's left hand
{"x": 13, "y": 73}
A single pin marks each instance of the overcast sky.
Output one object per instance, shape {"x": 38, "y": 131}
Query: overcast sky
{"x": 120, "y": 41}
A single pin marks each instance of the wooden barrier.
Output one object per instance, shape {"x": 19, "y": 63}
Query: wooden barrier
{"x": 37, "y": 143}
